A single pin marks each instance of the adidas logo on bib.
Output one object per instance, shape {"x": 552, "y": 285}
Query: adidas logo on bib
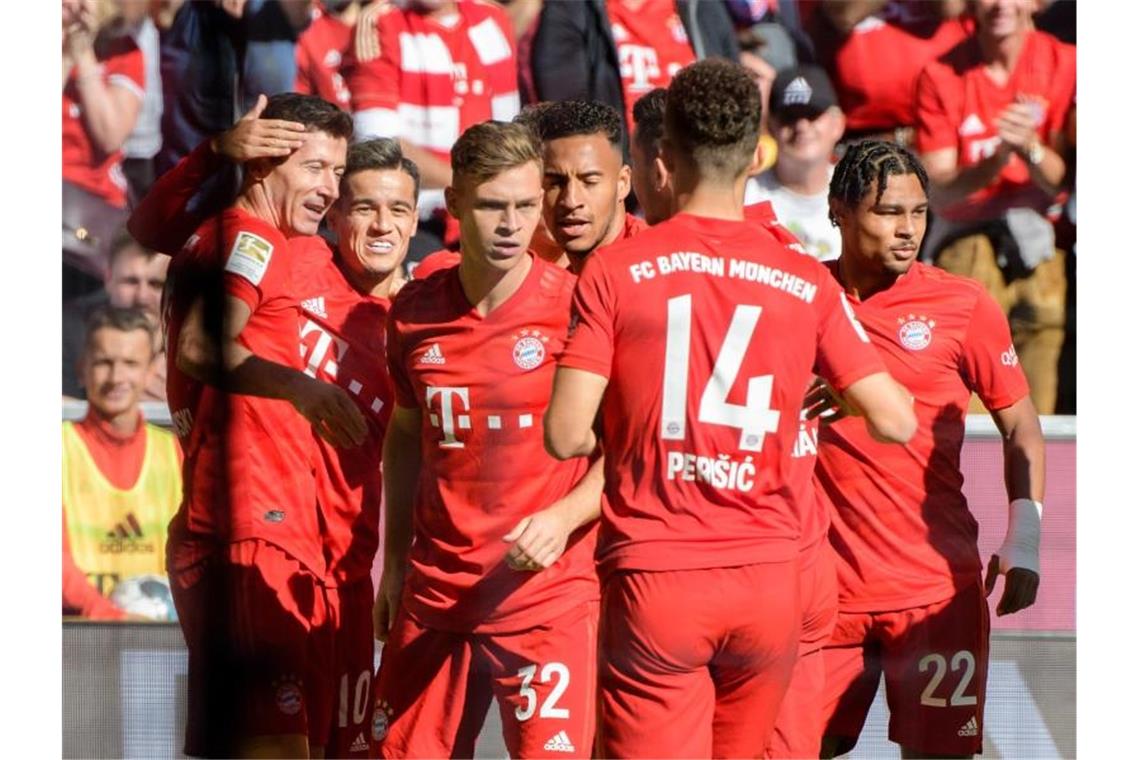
{"x": 970, "y": 729}
{"x": 560, "y": 742}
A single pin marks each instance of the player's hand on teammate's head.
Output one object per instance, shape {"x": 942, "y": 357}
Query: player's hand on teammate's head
{"x": 1020, "y": 587}
{"x": 253, "y": 137}
{"x": 824, "y": 402}
{"x": 332, "y": 414}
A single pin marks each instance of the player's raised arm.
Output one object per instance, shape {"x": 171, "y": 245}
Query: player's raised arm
{"x": 1018, "y": 559}
{"x": 402, "y": 460}
{"x": 569, "y": 419}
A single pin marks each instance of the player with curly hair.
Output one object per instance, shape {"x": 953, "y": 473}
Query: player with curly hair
{"x": 702, "y": 334}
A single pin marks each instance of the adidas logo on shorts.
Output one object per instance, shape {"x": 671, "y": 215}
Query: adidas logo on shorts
{"x": 560, "y": 742}
{"x": 433, "y": 355}
{"x": 359, "y": 745}
{"x": 970, "y": 729}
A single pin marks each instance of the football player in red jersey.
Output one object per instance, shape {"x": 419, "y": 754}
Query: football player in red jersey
{"x": 344, "y": 302}
{"x": 912, "y": 600}
{"x": 697, "y": 497}
{"x": 245, "y": 557}
{"x": 496, "y": 597}
{"x": 799, "y": 726}
{"x": 585, "y": 183}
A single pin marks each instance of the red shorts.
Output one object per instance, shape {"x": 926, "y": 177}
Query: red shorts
{"x": 935, "y": 660}
{"x": 350, "y": 730}
{"x": 695, "y": 663}
{"x": 799, "y": 726}
{"x": 260, "y": 647}
{"x": 435, "y": 687}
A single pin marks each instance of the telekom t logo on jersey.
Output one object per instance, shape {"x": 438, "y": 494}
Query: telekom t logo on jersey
{"x": 449, "y": 415}
{"x": 318, "y": 358}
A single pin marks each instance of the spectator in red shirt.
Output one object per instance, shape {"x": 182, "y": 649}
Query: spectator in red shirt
{"x": 322, "y": 48}
{"x": 103, "y": 82}
{"x": 990, "y": 118}
{"x": 873, "y": 50}
{"x": 422, "y": 73}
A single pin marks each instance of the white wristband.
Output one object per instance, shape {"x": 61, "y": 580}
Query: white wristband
{"x": 1023, "y": 537}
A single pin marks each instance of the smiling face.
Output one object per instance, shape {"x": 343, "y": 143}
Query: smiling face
{"x": 303, "y": 187}
{"x": 881, "y": 238}
{"x": 114, "y": 370}
{"x": 497, "y": 217}
{"x": 374, "y": 222}
{"x": 806, "y": 139}
{"x": 584, "y": 184}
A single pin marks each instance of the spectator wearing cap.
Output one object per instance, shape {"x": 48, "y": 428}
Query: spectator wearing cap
{"x": 807, "y": 123}
{"x": 121, "y": 476}
{"x": 991, "y": 116}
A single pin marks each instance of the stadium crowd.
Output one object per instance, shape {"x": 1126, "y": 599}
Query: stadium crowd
{"x": 307, "y": 226}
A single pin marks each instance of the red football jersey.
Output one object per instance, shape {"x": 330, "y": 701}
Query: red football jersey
{"x": 249, "y": 466}
{"x": 434, "y": 262}
{"x": 901, "y": 527}
{"x": 958, "y": 105}
{"x": 320, "y": 50}
{"x": 342, "y": 342}
{"x": 84, "y": 165}
{"x": 708, "y": 331}
{"x": 652, "y": 46}
{"x": 874, "y": 69}
{"x": 483, "y": 384}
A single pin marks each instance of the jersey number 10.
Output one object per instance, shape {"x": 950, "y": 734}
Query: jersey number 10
{"x": 754, "y": 418}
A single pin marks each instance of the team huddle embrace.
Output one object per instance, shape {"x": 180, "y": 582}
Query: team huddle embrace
{"x": 655, "y": 488}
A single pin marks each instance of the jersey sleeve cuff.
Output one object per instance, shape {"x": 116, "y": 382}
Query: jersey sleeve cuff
{"x": 585, "y": 363}
{"x": 242, "y": 289}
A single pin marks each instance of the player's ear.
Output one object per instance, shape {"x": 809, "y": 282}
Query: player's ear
{"x": 451, "y": 198}
{"x": 259, "y": 168}
{"x": 624, "y": 182}
{"x": 836, "y": 211}
{"x": 757, "y": 158}
{"x": 660, "y": 174}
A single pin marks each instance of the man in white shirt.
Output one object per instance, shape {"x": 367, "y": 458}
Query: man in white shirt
{"x": 807, "y": 123}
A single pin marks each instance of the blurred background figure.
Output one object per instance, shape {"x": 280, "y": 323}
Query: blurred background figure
{"x": 121, "y": 476}
{"x": 805, "y": 118}
{"x": 993, "y": 113}
{"x": 422, "y": 72}
{"x": 134, "y": 279}
{"x": 322, "y": 48}
{"x": 103, "y": 89}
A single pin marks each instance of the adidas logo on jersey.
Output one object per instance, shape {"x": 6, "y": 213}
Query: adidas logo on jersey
{"x": 970, "y": 729}
{"x": 315, "y": 306}
{"x": 433, "y": 355}
{"x": 972, "y": 125}
{"x": 358, "y": 744}
{"x": 560, "y": 742}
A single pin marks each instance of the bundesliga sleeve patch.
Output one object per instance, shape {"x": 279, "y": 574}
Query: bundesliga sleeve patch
{"x": 250, "y": 257}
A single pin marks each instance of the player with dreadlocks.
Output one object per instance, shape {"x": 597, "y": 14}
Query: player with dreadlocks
{"x": 912, "y": 602}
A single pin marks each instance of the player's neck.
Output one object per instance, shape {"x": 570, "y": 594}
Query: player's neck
{"x": 863, "y": 284}
{"x": 371, "y": 285}
{"x": 488, "y": 288}
{"x": 256, "y": 202}
{"x": 118, "y": 427}
{"x": 713, "y": 200}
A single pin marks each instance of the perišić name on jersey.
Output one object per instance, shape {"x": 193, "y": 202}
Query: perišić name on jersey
{"x": 749, "y": 271}
{"x": 721, "y": 472}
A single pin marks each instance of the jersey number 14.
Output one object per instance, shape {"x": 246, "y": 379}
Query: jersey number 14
{"x": 754, "y": 418}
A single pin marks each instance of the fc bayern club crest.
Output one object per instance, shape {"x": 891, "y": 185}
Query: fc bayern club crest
{"x": 915, "y": 332}
{"x": 530, "y": 349}
{"x": 288, "y": 695}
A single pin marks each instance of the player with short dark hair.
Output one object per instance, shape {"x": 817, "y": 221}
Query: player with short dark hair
{"x": 649, "y": 176}
{"x": 701, "y": 334}
{"x": 245, "y": 555}
{"x": 344, "y": 301}
{"x": 912, "y": 601}
{"x": 489, "y": 589}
